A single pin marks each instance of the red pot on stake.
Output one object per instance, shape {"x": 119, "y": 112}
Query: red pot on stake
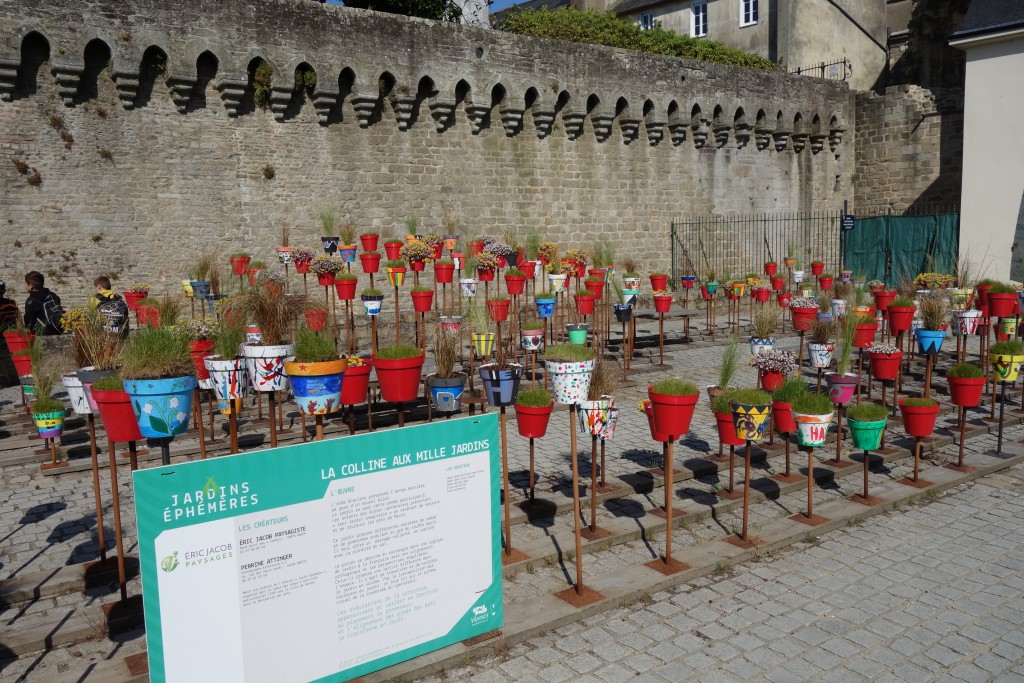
{"x": 901, "y": 318}
{"x": 399, "y": 378}
{"x": 369, "y": 242}
{"x": 655, "y": 434}
{"x": 659, "y": 282}
{"x": 117, "y": 415}
{"x": 200, "y": 349}
{"x": 133, "y": 299}
{"x": 918, "y": 421}
{"x": 770, "y": 269}
{"x": 883, "y": 299}
{"x": 662, "y": 303}
{"x": 863, "y": 335}
{"x": 370, "y": 263}
{"x": 1000, "y": 304}
{"x": 239, "y": 264}
{"x": 778, "y": 283}
{"x": 965, "y": 391}
{"x": 727, "y": 431}
{"x": 885, "y": 366}
{"x": 417, "y": 266}
{"x": 817, "y": 269}
{"x": 355, "y": 383}
{"x": 782, "y": 416}
{"x": 18, "y": 342}
{"x": 596, "y": 287}
{"x": 346, "y": 288}
{"x": 444, "y": 272}
{"x": 422, "y": 301}
{"x": 316, "y": 319}
{"x": 498, "y": 309}
{"x": 531, "y": 421}
{"x": 392, "y": 249}
{"x": 803, "y": 318}
{"x": 584, "y": 304}
{"x": 672, "y": 414}
{"x": 515, "y": 284}
{"x": 325, "y": 279}
{"x": 771, "y": 379}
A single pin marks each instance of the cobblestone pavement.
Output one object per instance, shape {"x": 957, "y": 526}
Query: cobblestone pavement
{"x": 932, "y": 593}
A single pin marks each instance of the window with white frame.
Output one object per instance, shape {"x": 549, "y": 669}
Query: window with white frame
{"x": 699, "y": 19}
{"x": 748, "y": 12}
{"x": 647, "y": 21}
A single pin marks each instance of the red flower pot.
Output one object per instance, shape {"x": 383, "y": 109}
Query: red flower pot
{"x": 982, "y": 293}
{"x": 399, "y": 379}
{"x": 152, "y": 316}
{"x": 325, "y": 279}
{"x": 346, "y": 288}
{"x": 919, "y": 421}
{"x": 863, "y": 335}
{"x": 659, "y": 282}
{"x": 727, "y": 430}
{"x": 515, "y": 284}
{"x": 421, "y": 301}
{"x": 485, "y": 274}
{"x": 475, "y": 248}
{"x": 239, "y": 264}
{"x": 22, "y": 364}
{"x": 817, "y": 269}
{"x": 584, "y": 304}
{"x": 302, "y": 266}
{"x": 142, "y": 313}
{"x": 369, "y": 242}
{"x": 672, "y": 414}
{"x": 885, "y": 366}
{"x": 502, "y": 262}
{"x": 316, "y": 319}
{"x": 370, "y": 262}
{"x": 354, "y": 384}
{"x": 782, "y": 416}
{"x": 532, "y": 422}
{"x": 966, "y": 391}
{"x": 17, "y": 342}
{"x": 803, "y": 318}
{"x": 655, "y": 434}
{"x": 883, "y": 299}
{"x": 200, "y": 349}
{"x": 417, "y": 266}
{"x": 392, "y": 249}
{"x": 444, "y": 272}
{"x": 771, "y": 379}
{"x": 662, "y": 303}
{"x": 498, "y": 309}
{"x": 826, "y": 283}
{"x": 770, "y": 269}
{"x": 783, "y": 298}
{"x": 778, "y": 283}
{"x": 1000, "y": 305}
{"x": 117, "y": 415}
{"x": 133, "y": 299}
{"x": 529, "y": 268}
{"x": 596, "y": 287}
{"x": 900, "y": 318}
{"x": 704, "y": 292}
{"x": 762, "y": 295}
{"x": 438, "y": 251}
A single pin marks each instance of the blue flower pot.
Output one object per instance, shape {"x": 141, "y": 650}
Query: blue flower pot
{"x": 446, "y": 394}
{"x": 347, "y": 255}
{"x": 545, "y": 307}
{"x": 929, "y": 341}
{"x": 200, "y": 288}
{"x": 501, "y": 386}
{"x": 316, "y": 386}
{"x": 162, "y": 406}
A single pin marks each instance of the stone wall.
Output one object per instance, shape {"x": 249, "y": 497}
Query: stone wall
{"x": 142, "y": 166}
{"x": 909, "y": 150}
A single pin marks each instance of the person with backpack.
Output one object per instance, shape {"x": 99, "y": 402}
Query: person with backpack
{"x": 110, "y": 305}
{"x": 42, "y": 308}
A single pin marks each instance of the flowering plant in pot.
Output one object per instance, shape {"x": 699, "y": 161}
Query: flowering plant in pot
{"x": 136, "y": 293}
{"x": 446, "y": 385}
{"x": 761, "y": 292}
{"x": 570, "y": 367}
{"x": 533, "y": 412}
{"x": 919, "y": 416}
{"x": 398, "y": 371}
{"x": 1006, "y": 357}
{"x": 842, "y": 383}
{"x": 802, "y": 310}
{"x": 515, "y": 281}
{"x": 726, "y": 369}
{"x": 500, "y": 251}
{"x": 966, "y": 382}
{"x": 328, "y": 222}
{"x": 766, "y": 320}
{"x": 158, "y": 375}
{"x": 302, "y": 257}
{"x": 773, "y": 367}
{"x": 934, "y": 281}
{"x": 372, "y": 299}
{"x": 486, "y": 265}
{"x": 821, "y": 347}
{"x": 395, "y": 268}
{"x": 812, "y": 413}
{"x": 577, "y": 259}
{"x": 672, "y": 404}
{"x": 315, "y": 372}
{"x": 750, "y": 410}
{"x": 416, "y": 253}
{"x": 867, "y": 424}
{"x": 884, "y": 361}
{"x": 435, "y": 243}
{"x": 547, "y": 252}
{"x": 325, "y": 267}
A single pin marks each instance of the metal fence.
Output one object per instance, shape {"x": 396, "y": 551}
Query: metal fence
{"x": 838, "y": 70}
{"x": 739, "y": 244}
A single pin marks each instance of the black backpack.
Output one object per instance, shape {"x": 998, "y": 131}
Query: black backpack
{"x": 52, "y": 312}
{"x": 115, "y": 312}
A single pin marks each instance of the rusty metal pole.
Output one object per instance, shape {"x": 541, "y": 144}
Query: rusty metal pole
{"x": 91, "y": 419}
{"x": 117, "y": 525}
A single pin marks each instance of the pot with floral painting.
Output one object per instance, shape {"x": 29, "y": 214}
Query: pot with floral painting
{"x": 159, "y": 377}
{"x": 316, "y": 373}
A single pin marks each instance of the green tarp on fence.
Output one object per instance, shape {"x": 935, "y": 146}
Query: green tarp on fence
{"x": 891, "y": 247}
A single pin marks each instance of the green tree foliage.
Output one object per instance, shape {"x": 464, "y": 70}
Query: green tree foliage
{"x": 442, "y": 10}
{"x": 605, "y": 28}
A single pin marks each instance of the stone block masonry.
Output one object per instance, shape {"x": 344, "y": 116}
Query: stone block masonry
{"x": 131, "y": 143}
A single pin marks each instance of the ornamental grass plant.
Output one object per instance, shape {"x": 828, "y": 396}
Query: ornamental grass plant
{"x": 675, "y": 387}
{"x": 1010, "y": 347}
{"x": 730, "y": 361}
{"x": 766, "y": 320}
{"x": 934, "y": 311}
{"x": 398, "y": 352}
{"x": 156, "y": 353}
{"x": 750, "y": 396}
{"x": 920, "y": 402}
{"x": 867, "y": 412}
{"x": 446, "y": 352}
{"x": 791, "y": 389}
{"x": 537, "y": 397}
{"x": 313, "y": 347}
{"x": 812, "y": 403}
{"x": 229, "y": 339}
{"x": 568, "y": 353}
{"x": 965, "y": 371}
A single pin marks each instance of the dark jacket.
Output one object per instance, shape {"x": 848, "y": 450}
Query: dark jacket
{"x": 34, "y": 311}
{"x": 8, "y": 313}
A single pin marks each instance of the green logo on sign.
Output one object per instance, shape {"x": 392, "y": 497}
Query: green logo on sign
{"x": 170, "y": 563}
{"x": 210, "y": 488}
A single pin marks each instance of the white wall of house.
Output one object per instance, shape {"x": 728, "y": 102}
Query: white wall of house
{"x": 993, "y": 173}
